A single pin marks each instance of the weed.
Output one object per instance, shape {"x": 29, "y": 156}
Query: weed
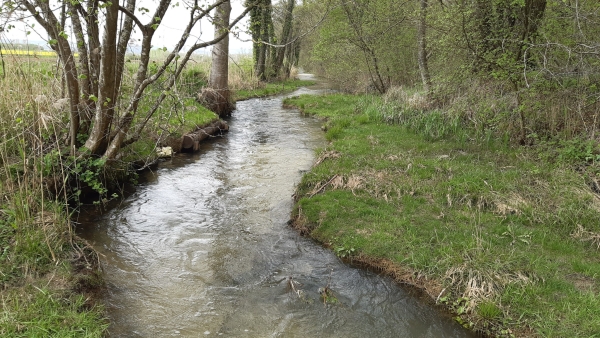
{"x": 344, "y": 252}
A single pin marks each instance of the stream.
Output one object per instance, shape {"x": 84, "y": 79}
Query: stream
{"x": 203, "y": 249}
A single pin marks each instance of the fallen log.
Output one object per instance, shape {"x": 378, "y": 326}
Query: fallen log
{"x": 191, "y": 141}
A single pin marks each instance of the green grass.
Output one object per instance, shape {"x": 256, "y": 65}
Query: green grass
{"x": 45, "y": 291}
{"x": 271, "y": 88}
{"x": 41, "y": 312}
{"x": 43, "y": 287}
{"x": 512, "y": 238}
{"x": 178, "y": 114}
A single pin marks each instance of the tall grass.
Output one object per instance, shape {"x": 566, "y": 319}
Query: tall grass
{"x": 39, "y": 255}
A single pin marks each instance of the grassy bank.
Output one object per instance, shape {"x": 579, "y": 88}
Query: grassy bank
{"x": 507, "y": 238}
{"x": 47, "y": 275}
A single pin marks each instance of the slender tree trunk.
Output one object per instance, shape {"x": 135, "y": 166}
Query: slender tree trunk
{"x": 286, "y": 33}
{"x": 422, "y": 41}
{"x": 263, "y": 54}
{"x": 532, "y": 13}
{"x": 86, "y": 104}
{"x": 262, "y": 31}
{"x": 217, "y": 96}
{"x": 355, "y": 19}
{"x": 98, "y": 140}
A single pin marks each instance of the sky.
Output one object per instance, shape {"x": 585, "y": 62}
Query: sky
{"x": 167, "y": 35}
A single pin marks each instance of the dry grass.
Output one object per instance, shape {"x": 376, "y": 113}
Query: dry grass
{"x": 587, "y": 236}
{"x": 477, "y": 284}
{"x": 410, "y": 99}
{"x": 326, "y": 155}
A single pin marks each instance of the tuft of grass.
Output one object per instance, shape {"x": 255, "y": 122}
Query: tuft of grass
{"x": 505, "y": 236}
{"x": 488, "y": 310}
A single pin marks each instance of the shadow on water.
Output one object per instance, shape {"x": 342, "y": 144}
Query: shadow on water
{"x": 202, "y": 248}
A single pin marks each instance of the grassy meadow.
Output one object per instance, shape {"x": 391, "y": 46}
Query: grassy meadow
{"x": 506, "y": 238}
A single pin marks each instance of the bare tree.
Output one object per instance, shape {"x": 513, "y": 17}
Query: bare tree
{"x": 94, "y": 82}
{"x": 356, "y": 11}
{"x": 286, "y": 36}
{"x": 422, "y": 42}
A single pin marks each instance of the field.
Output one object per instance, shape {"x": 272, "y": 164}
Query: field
{"x": 34, "y": 53}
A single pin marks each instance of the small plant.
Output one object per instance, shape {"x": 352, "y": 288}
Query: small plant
{"x": 326, "y": 293}
{"x": 344, "y": 252}
{"x": 511, "y": 234}
{"x": 577, "y": 150}
{"x": 488, "y": 310}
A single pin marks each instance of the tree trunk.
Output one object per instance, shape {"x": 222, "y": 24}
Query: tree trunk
{"x": 262, "y": 25}
{"x": 422, "y": 53}
{"x": 286, "y": 33}
{"x": 105, "y": 105}
{"x": 191, "y": 141}
{"x": 218, "y": 98}
{"x": 54, "y": 29}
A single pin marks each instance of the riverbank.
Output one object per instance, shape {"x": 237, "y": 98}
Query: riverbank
{"x": 171, "y": 126}
{"x": 49, "y": 278}
{"x": 506, "y": 238}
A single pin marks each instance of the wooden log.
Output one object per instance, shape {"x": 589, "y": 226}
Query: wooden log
{"x": 191, "y": 141}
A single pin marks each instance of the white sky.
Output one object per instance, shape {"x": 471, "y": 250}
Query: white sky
{"x": 167, "y": 34}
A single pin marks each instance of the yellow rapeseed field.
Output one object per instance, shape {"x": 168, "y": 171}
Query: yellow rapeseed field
{"x": 31, "y": 52}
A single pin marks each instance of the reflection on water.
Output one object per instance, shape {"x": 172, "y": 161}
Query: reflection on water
{"x": 203, "y": 249}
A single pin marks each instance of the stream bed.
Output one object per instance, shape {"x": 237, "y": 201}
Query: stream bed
{"x": 203, "y": 249}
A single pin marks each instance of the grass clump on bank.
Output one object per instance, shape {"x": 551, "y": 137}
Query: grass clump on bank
{"x": 47, "y": 275}
{"x": 506, "y": 238}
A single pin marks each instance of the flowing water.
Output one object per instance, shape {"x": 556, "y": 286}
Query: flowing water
{"x": 203, "y": 249}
